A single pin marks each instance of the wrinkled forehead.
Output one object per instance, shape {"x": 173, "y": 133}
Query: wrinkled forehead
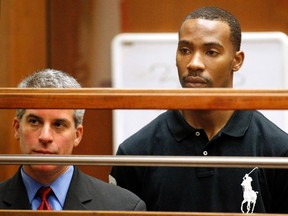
{"x": 205, "y": 30}
{"x": 51, "y": 114}
{"x": 194, "y": 26}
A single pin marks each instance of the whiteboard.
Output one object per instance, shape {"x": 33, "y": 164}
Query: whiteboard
{"x": 148, "y": 60}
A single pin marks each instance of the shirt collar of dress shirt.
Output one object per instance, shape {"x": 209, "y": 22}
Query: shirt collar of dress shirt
{"x": 60, "y": 186}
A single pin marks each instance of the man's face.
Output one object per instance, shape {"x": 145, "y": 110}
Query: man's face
{"x": 47, "y": 132}
{"x": 205, "y": 54}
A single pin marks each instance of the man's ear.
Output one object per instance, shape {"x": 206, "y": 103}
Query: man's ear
{"x": 79, "y": 134}
{"x": 16, "y": 127}
{"x": 238, "y": 60}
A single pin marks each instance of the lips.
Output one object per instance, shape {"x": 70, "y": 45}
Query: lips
{"x": 195, "y": 82}
{"x": 42, "y": 152}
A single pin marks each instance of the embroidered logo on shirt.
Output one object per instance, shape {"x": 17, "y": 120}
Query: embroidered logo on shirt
{"x": 249, "y": 195}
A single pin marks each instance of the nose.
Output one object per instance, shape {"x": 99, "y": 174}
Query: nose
{"x": 45, "y": 136}
{"x": 196, "y": 62}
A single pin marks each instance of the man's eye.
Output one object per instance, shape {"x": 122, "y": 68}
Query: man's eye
{"x": 58, "y": 124}
{"x": 184, "y": 51}
{"x": 212, "y": 53}
{"x": 33, "y": 121}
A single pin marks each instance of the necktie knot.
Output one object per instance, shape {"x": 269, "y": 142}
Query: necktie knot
{"x": 44, "y": 193}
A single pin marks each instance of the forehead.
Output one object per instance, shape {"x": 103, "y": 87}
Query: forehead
{"x": 50, "y": 114}
{"x": 197, "y": 29}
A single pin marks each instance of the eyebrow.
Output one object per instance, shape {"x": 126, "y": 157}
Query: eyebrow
{"x": 183, "y": 42}
{"x": 214, "y": 44}
{"x": 208, "y": 44}
{"x": 39, "y": 118}
{"x": 33, "y": 116}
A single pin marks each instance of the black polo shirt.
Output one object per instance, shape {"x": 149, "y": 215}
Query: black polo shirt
{"x": 247, "y": 133}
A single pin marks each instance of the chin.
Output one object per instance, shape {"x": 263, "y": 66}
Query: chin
{"x": 44, "y": 168}
{"x": 196, "y": 86}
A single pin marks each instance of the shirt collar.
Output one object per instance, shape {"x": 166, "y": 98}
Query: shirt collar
{"x": 236, "y": 126}
{"x": 178, "y": 126}
{"x": 60, "y": 186}
{"x": 31, "y": 185}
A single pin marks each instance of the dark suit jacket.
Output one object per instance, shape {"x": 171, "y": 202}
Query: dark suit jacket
{"x": 84, "y": 193}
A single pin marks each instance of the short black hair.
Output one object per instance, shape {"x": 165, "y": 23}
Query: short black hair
{"x": 215, "y": 13}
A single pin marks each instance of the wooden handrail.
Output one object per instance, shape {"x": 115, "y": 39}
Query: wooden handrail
{"x": 109, "y": 98}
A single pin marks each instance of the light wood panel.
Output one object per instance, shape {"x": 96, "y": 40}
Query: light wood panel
{"x": 23, "y": 48}
{"x": 256, "y": 15}
{"x": 74, "y": 46}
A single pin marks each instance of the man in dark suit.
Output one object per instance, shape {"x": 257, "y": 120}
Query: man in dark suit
{"x": 57, "y": 187}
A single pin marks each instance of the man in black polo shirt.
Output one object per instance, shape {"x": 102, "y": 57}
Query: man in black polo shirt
{"x": 207, "y": 56}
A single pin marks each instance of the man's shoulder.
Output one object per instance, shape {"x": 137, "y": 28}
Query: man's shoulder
{"x": 155, "y": 123}
{"x": 266, "y": 124}
{"x": 148, "y": 132}
{"x": 10, "y": 190}
{"x": 3, "y": 185}
{"x": 273, "y": 138}
{"x": 14, "y": 180}
{"x": 94, "y": 184}
{"x": 109, "y": 194}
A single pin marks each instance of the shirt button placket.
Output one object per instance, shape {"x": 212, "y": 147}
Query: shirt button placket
{"x": 197, "y": 133}
{"x": 205, "y": 153}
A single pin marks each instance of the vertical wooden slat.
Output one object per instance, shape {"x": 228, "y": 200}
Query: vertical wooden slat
{"x": 23, "y": 50}
{"x": 74, "y": 44}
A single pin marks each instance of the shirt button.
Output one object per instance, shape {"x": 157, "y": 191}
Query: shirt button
{"x": 197, "y": 133}
{"x": 205, "y": 153}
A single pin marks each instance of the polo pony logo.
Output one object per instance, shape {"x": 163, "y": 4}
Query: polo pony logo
{"x": 249, "y": 195}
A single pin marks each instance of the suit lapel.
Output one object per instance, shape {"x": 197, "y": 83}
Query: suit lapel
{"x": 78, "y": 194}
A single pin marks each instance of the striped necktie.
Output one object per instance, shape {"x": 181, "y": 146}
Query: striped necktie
{"x": 44, "y": 193}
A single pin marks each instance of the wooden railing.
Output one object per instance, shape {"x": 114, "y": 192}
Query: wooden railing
{"x": 105, "y": 98}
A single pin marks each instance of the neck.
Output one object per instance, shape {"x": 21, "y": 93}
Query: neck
{"x": 44, "y": 174}
{"x": 210, "y": 121}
